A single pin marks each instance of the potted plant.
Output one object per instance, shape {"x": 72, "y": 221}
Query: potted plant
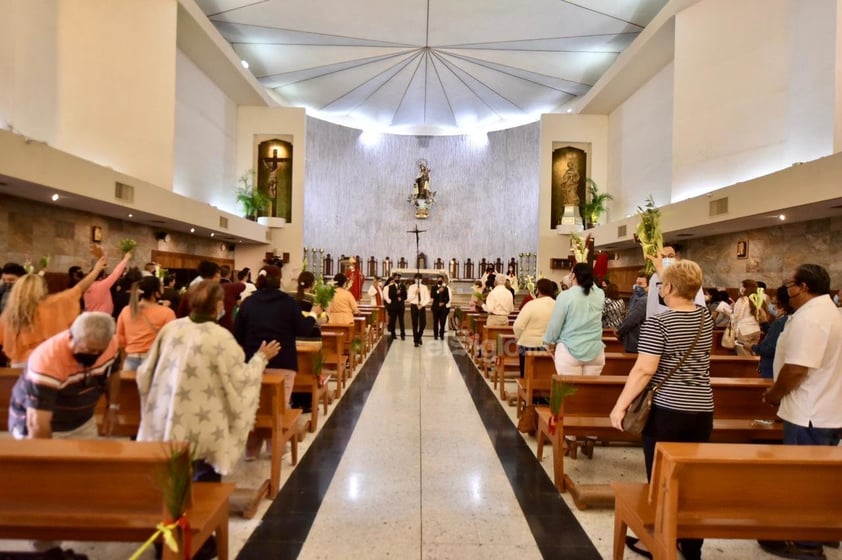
{"x": 594, "y": 204}
{"x": 250, "y": 198}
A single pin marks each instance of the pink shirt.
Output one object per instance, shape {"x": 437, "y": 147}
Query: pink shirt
{"x": 98, "y": 296}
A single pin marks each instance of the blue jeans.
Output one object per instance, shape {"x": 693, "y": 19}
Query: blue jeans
{"x": 799, "y": 435}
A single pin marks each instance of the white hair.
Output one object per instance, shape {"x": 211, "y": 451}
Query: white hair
{"x": 93, "y": 328}
{"x": 499, "y": 279}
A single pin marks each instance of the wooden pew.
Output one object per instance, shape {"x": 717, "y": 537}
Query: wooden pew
{"x": 739, "y": 416}
{"x": 774, "y": 492}
{"x": 98, "y": 490}
{"x": 311, "y": 379}
{"x": 617, "y": 363}
{"x": 349, "y": 332}
{"x": 277, "y": 423}
{"x": 477, "y": 322}
{"x": 613, "y": 344}
{"x": 8, "y": 378}
{"x": 333, "y": 358}
{"x": 488, "y": 347}
{"x": 538, "y": 370}
{"x": 506, "y": 360}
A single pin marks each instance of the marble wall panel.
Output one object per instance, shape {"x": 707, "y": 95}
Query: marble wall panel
{"x": 773, "y": 253}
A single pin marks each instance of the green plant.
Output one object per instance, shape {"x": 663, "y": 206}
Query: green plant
{"x": 127, "y": 245}
{"x": 323, "y": 293}
{"x": 649, "y": 234}
{"x": 594, "y": 204}
{"x": 250, "y": 198}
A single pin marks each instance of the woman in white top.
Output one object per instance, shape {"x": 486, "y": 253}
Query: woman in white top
{"x": 744, "y": 319}
{"x": 532, "y": 321}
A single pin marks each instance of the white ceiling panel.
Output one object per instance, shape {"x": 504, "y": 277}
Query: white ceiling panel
{"x": 429, "y": 66}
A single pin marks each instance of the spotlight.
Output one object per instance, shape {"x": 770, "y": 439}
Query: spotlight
{"x": 192, "y": 230}
{"x": 782, "y": 217}
{"x": 245, "y": 64}
{"x": 54, "y": 197}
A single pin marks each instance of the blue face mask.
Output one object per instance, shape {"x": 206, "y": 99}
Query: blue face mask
{"x": 668, "y": 261}
{"x": 638, "y": 290}
{"x": 836, "y": 299}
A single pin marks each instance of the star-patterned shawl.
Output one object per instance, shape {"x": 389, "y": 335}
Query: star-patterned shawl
{"x": 195, "y": 386}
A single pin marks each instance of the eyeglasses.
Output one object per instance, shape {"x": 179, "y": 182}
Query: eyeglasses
{"x": 791, "y": 283}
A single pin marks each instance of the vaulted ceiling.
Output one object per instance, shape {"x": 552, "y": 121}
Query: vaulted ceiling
{"x": 429, "y": 66}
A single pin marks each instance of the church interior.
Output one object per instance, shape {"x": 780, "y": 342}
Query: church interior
{"x": 434, "y": 136}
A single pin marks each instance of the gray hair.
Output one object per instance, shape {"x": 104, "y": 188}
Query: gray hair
{"x": 500, "y": 279}
{"x": 93, "y": 328}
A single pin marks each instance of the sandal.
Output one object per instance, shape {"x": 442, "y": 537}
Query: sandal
{"x": 631, "y": 543}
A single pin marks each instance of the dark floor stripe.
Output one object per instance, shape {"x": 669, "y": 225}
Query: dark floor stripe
{"x": 557, "y": 532}
{"x": 284, "y": 528}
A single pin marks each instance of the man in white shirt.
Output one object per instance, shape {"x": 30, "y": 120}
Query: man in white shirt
{"x": 808, "y": 376}
{"x": 499, "y": 303}
{"x": 654, "y": 303}
{"x": 418, "y": 296}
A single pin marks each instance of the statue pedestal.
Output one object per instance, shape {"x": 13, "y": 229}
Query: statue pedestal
{"x": 571, "y": 221}
{"x": 272, "y": 222}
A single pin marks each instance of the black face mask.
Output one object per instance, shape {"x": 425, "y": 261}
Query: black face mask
{"x": 86, "y": 359}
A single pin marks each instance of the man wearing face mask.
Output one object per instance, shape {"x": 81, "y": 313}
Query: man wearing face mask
{"x": 418, "y": 296}
{"x": 655, "y": 304}
{"x": 64, "y": 378}
{"x": 629, "y": 330}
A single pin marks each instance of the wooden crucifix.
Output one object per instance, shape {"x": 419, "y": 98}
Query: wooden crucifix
{"x": 417, "y": 233}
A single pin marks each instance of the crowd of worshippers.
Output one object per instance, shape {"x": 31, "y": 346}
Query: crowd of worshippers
{"x": 199, "y": 353}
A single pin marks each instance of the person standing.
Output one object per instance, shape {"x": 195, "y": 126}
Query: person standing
{"x": 768, "y": 345}
{"x": 532, "y": 321}
{"x": 375, "y": 292}
{"x": 674, "y": 351}
{"x": 628, "y": 331}
{"x": 441, "y": 307}
{"x": 139, "y": 322}
{"x": 655, "y": 304}
{"x": 574, "y": 335}
{"x": 343, "y": 306}
{"x": 271, "y": 314}
{"x": 744, "y": 320}
{"x": 396, "y": 295}
{"x": 499, "y": 303}
{"x": 808, "y": 377}
{"x": 418, "y": 296}
{"x": 355, "y": 279}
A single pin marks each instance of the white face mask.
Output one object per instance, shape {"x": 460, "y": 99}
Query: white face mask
{"x": 221, "y": 314}
{"x": 568, "y": 280}
{"x": 668, "y": 261}
{"x": 742, "y": 291}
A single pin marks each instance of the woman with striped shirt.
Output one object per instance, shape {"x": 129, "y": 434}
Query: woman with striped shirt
{"x": 682, "y": 409}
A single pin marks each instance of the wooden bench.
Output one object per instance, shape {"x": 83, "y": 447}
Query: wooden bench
{"x": 774, "y": 492}
{"x": 613, "y": 344}
{"x": 506, "y": 360}
{"x": 538, "y": 371}
{"x": 739, "y": 416}
{"x": 98, "y": 490}
{"x": 619, "y": 363}
{"x": 311, "y": 379}
{"x": 488, "y": 347}
{"x": 277, "y": 423}
{"x": 333, "y": 358}
{"x": 349, "y": 331}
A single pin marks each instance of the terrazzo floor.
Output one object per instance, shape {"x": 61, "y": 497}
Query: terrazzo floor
{"x": 420, "y": 459}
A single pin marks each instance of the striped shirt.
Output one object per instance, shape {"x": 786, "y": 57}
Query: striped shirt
{"x": 669, "y": 335}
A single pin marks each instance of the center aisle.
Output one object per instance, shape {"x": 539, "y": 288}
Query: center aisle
{"x": 419, "y": 477}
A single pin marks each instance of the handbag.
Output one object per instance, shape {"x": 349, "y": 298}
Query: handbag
{"x": 528, "y": 422}
{"x": 729, "y": 341}
{"x": 638, "y": 411}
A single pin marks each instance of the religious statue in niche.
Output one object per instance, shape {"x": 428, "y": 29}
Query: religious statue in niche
{"x": 422, "y": 197}
{"x": 274, "y": 176}
{"x": 568, "y": 186}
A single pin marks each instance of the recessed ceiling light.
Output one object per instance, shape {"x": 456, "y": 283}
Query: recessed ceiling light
{"x": 212, "y": 234}
{"x": 192, "y": 230}
{"x": 245, "y": 64}
{"x": 54, "y": 197}
{"x": 781, "y": 217}
{"x": 131, "y": 215}
{"x": 570, "y": 110}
